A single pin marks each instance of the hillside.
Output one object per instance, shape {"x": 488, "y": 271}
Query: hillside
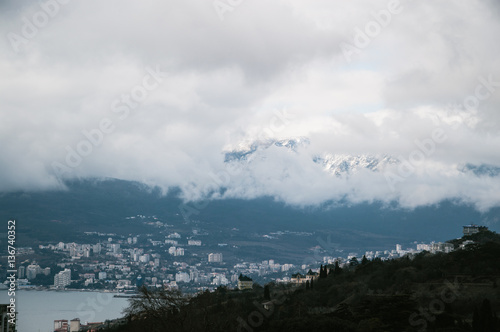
{"x": 442, "y": 292}
{"x": 103, "y": 205}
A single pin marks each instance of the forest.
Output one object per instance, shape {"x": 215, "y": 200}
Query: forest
{"x": 437, "y": 292}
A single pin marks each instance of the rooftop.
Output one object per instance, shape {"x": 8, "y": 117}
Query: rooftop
{"x": 244, "y": 278}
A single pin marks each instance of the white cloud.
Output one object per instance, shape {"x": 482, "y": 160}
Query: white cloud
{"x": 224, "y": 82}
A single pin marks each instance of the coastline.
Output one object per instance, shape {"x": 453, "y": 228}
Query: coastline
{"x": 88, "y": 305}
{"x": 45, "y": 289}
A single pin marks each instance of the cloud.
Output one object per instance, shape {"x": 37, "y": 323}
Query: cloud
{"x": 267, "y": 70}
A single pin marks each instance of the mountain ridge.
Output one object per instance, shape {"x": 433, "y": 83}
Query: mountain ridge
{"x": 338, "y": 164}
{"x": 92, "y": 205}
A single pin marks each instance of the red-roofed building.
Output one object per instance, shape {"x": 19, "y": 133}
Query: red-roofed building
{"x": 61, "y": 325}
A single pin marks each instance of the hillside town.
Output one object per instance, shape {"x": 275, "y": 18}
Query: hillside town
{"x": 123, "y": 265}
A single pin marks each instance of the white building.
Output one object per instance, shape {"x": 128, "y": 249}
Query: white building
{"x": 61, "y": 324}
{"x": 215, "y": 258}
{"x": 441, "y": 247}
{"x": 74, "y": 325}
{"x": 182, "y": 277}
{"x": 176, "y": 251}
{"x": 73, "y": 250}
{"x": 220, "y": 279}
{"x": 123, "y": 283}
{"x": 194, "y": 243}
{"x": 473, "y": 229}
{"x": 144, "y": 258}
{"x": 32, "y": 271}
{"x": 423, "y": 246}
{"x": 194, "y": 275}
{"x": 21, "y": 272}
{"x": 96, "y": 248}
{"x": 115, "y": 247}
{"x": 62, "y": 279}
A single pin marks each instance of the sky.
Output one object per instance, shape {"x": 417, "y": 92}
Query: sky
{"x": 159, "y": 92}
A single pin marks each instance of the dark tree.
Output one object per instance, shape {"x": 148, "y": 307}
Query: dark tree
{"x": 353, "y": 262}
{"x": 322, "y": 271}
{"x": 159, "y": 308}
{"x": 364, "y": 260}
{"x": 483, "y": 319}
{"x": 486, "y": 316}
{"x": 337, "y": 270}
{"x": 475, "y": 321}
{"x": 267, "y": 294}
{"x": 307, "y": 285}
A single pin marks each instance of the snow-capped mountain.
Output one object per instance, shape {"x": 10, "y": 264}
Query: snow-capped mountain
{"x": 337, "y": 164}
{"x": 343, "y": 164}
{"x": 246, "y": 149}
{"x": 480, "y": 170}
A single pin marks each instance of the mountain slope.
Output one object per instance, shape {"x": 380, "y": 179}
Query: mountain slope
{"x": 103, "y": 206}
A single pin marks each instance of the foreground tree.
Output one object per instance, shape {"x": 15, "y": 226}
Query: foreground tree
{"x": 160, "y": 309}
{"x": 337, "y": 270}
{"x": 267, "y": 295}
{"x": 364, "y": 260}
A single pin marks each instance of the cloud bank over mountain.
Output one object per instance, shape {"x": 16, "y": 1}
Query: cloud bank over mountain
{"x": 162, "y": 92}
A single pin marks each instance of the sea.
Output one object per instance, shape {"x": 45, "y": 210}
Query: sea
{"x": 37, "y": 309}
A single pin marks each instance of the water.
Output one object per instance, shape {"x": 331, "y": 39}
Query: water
{"x": 37, "y": 310}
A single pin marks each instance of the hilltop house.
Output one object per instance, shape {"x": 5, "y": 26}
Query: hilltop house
{"x": 311, "y": 275}
{"x": 298, "y": 278}
{"x": 244, "y": 282}
{"x": 472, "y": 229}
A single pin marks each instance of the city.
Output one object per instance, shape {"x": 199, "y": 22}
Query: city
{"x": 123, "y": 264}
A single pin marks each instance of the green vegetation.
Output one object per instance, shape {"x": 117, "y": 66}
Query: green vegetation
{"x": 427, "y": 292}
{"x": 481, "y": 237}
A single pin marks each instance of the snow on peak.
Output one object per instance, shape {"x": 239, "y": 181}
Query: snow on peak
{"x": 344, "y": 164}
